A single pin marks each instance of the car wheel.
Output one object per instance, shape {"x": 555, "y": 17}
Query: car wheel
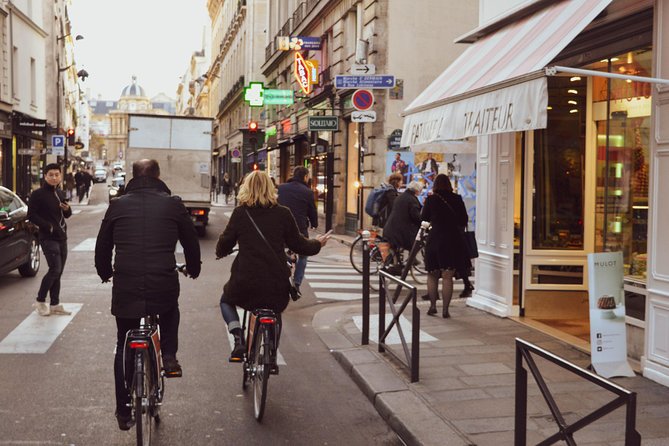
{"x": 30, "y": 268}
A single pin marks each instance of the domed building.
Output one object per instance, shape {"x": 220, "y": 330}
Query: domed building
{"x": 133, "y": 100}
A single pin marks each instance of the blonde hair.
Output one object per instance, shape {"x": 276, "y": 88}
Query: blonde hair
{"x": 257, "y": 190}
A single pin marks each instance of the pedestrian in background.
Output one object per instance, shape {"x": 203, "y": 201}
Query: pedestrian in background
{"x": 88, "y": 180}
{"x": 48, "y": 210}
{"x": 445, "y": 251}
{"x": 79, "y": 182}
{"x": 69, "y": 186}
{"x": 226, "y": 186}
{"x": 142, "y": 227}
{"x": 404, "y": 220}
{"x": 298, "y": 197}
{"x": 386, "y": 201}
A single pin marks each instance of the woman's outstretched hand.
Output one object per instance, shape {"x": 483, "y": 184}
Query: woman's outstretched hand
{"x": 324, "y": 238}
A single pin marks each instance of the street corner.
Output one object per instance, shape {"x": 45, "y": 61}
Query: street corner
{"x": 329, "y": 324}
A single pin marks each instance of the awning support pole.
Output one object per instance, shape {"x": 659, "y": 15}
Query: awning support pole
{"x": 552, "y": 71}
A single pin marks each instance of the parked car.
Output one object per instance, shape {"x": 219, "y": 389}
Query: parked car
{"x": 100, "y": 175}
{"x": 19, "y": 246}
{"x": 117, "y": 188}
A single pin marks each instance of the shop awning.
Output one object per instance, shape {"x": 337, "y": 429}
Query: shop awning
{"x": 498, "y": 84}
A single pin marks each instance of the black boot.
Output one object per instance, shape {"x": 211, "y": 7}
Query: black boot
{"x": 239, "y": 349}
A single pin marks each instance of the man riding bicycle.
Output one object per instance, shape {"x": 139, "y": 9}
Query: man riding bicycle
{"x": 143, "y": 226}
{"x": 259, "y": 277}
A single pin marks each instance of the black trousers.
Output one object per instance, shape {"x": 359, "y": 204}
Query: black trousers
{"x": 55, "y": 253}
{"x": 169, "y": 343}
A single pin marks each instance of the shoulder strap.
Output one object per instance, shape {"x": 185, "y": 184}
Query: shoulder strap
{"x": 263, "y": 237}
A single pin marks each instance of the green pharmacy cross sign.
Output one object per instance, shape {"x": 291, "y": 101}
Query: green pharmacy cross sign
{"x": 257, "y": 95}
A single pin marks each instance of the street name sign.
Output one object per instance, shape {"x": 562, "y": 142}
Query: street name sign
{"x": 355, "y": 82}
{"x": 363, "y": 69}
{"x": 363, "y": 116}
{"x": 58, "y": 145}
{"x": 323, "y": 123}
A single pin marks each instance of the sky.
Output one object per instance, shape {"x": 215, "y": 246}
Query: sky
{"x": 150, "y": 39}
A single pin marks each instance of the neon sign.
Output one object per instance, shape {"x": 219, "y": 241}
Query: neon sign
{"x": 303, "y": 73}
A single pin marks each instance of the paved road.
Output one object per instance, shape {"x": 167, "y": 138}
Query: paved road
{"x": 65, "y": 396}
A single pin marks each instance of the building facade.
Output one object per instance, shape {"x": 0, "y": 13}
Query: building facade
{"x": 580, "y": 173}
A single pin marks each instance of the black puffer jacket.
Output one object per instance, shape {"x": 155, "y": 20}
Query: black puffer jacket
{"x": 257, "y": 279}
{"x": 144, "y": 226}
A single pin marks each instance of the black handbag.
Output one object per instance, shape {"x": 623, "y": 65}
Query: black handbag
{"x": 292, "y": 289}
{"x": 471, "y": 246}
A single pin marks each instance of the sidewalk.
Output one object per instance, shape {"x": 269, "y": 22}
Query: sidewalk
{"x": 465, "y": 395}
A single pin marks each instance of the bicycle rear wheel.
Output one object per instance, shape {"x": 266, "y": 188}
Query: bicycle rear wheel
{"x": 261, "y": 365}
{"x": 142, "y": 397}
{"x": 376, "y": 262}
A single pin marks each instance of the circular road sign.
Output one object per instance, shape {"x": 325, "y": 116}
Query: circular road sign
{"x": 362, "y": 100}
{"x": 235, "y": 153}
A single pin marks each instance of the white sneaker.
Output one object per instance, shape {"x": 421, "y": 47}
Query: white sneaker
{"x": 42, "y": 308}
{"x": 58, "y": 309}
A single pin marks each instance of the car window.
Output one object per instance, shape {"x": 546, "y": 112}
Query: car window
{"x": 5, "y": 201}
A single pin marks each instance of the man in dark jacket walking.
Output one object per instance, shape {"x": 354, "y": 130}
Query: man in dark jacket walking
{"x": 144, "y": 226}
{"x": 48, "y": 209}
{"x": 298, "y": 197}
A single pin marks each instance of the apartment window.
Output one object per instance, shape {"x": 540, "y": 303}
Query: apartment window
{"x": 33, "y": 82}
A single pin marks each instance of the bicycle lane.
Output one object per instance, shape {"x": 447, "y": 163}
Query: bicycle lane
{"x": 465, "y": 394}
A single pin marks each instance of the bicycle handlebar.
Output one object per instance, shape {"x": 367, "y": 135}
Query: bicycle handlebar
{"x": 181, "y": 267}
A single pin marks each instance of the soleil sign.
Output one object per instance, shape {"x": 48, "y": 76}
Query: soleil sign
{"x": 303, "y": 73}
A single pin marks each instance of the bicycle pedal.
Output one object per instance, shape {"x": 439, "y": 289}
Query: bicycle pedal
{"x": 176, "y": 374}
{"x": 235, "y": 359}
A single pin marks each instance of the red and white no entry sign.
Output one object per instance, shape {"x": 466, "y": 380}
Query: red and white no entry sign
{"x": 362, "y": 100}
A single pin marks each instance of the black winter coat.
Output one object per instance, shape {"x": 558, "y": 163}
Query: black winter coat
{"x": 143, "y": 226}
{"x": 258, "y": 277}
{"x": 299, "y": 198}
{"x": 404, "y": 221}
{"x": 444, "y": 247}
{"x": 44, "y": 211}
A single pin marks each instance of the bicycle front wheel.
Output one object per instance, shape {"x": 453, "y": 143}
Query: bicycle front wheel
{"x": 261, "y": 364}
{"x": 142, "y": 398}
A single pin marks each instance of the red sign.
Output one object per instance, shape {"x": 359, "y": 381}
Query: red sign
{"x": 362, "y": 100}
{"x": 303, "y": 73}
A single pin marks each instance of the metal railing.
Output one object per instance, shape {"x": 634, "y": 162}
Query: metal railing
{"x": 412, "y": 357}
{"x": 524, "y": 350}
{"x": 299, "y": 14}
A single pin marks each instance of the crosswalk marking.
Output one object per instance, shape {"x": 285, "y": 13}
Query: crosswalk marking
{"x": 37, "y": 333}
{"x": 339, "y": 285}
{"x": 333, "y": 295}
{"x": 88, "y": 245}
{"x": 394, "y": 336}
{"x": 330, "y": 277}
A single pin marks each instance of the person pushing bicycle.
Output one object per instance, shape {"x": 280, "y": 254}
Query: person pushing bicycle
{"x": 143, "y": 226}
{"x": 259, "y": 277}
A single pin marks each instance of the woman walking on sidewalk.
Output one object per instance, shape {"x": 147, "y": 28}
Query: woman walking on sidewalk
{"x": 445, "y": 251}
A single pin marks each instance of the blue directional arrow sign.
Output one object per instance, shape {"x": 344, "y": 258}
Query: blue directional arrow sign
{"x": 355, "y": 82}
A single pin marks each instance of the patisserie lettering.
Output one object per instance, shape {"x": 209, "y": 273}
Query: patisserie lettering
{"x": 606, "y": 264}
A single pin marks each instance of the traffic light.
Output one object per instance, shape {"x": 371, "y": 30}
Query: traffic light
{"x": 255, "y": 166}
{"x": 70, "y": 137}
{"x": 253, "y": 126}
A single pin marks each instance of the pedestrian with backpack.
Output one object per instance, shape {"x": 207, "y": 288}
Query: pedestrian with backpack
{"x": 379, "y": 204}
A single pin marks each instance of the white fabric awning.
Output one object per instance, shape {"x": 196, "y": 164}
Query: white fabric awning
{"x": 503, "y": 68}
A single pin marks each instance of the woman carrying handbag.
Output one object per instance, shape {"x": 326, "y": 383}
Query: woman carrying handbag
{"x": 445, "y": 251}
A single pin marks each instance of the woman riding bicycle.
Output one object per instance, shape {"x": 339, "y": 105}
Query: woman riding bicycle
{"x": 258, "y": 278}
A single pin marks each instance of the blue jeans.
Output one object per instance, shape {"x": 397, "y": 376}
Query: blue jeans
{"x": 55, "y": 253}
{"x": 229, "y": 313}
{"x": 300, "y": 267}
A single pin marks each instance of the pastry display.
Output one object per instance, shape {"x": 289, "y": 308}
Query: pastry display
{"x": 606, "y": 303}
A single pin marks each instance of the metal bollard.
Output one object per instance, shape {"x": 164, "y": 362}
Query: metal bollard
{"x": 365, "y": 287}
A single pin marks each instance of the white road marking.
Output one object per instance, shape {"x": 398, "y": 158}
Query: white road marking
{"x": 394, "y": 336}
{"x": 227, "y": 214}
{"x": 337, "y": 285}
{"x": 37, "y": 333}
{"x": 310, "y": 277}
{"x": 76, "y": 211}
{"x": 338, "y": 296}
{"x": 88, "y": 245}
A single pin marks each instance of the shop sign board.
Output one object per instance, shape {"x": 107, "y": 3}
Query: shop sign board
{"x": 298, "y": 43}
{"x": 608, "y": 338}
{"x": 278, "y": 97}
{"x": 362, "y": 100}
{"x": 366, "y": 69}
{"x": 363, "y": 116}
{"x": 30, "y": 152}
{"x": 254, "y": 94}
{"x": 395, "y": 140}
{"x": 303, "y": 73}
{"x": 355, "y": 82}
{"x": 323, "y": 123}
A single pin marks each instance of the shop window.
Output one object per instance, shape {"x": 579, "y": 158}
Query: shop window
{"x": 557, "y": 274}
{"x": 621, "y": 110}
{"x": 559, "y": 152}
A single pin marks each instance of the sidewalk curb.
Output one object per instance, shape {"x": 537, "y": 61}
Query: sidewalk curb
{"x": 413, "y": 420}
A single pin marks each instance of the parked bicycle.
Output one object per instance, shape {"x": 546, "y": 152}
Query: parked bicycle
{"x": 383, "y": 255}
{"x": 144, "y": 374}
